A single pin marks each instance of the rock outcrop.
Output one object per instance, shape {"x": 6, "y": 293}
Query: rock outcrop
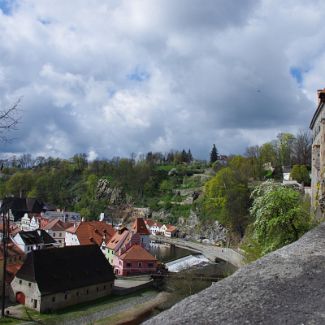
{"x": 113, "y": 195}
{"x": 207, "y": 232}
{"x": 284, "y": 287}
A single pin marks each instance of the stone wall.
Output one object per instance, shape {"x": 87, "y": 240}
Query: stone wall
{"x": 284, "y": 287}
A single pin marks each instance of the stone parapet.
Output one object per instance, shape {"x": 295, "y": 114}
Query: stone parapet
{"x": 284, "y": 287}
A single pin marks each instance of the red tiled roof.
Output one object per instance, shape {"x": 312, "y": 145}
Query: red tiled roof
{"x": 149, "y": 222}
{"x": 57, "y": 225}
{"x": 12, "y": 250}
{"x": 137, "y": 253}
{"x": 139, "y": 227}
{"x": 94, "y": 232}
{"x": 118, "y": 239}
{"x": 171, "y": 228}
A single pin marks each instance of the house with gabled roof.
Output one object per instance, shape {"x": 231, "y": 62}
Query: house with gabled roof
{"x": 116, "y": 242}
{"x": 135, "y": 260}
{"x": 90, "y": 232}
{"x": 61, "y": 277}
{"x": 17, "y": 207}
{"x": 168, "y": 230}
{"x": 28, "y": 241}
{"x": 140, "y": 233}
{"x": 153, "y": 226}
{"x": 57, "y": 228}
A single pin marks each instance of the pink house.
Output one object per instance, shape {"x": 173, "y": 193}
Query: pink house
{"x": 135, "y": 260}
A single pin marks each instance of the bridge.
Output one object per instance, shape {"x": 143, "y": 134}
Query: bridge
{"x": 212, "y": 253}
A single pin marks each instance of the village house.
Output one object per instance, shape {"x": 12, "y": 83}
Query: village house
{"x": 60, "y": 277}
{"x": 129, "y": 250}
{"x": 153, "y": 226}
{"x": 135, "y": 260}
{"x": 139, "y": 233}
{"x": 317, "y": 127}
{"x": 17, "y": 207}
{"x": 56, "y": 229}
{"x": 28, "y": 241}
{"x": 168, "y": 230}
{"x": 90, "y": 232}
{"x": 116, "y": 243}
{"x": 32, "y": 222}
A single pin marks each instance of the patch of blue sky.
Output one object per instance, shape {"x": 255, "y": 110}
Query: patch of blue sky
{"x": 6, "y": 6}
{"x": 138, "y": 75}
{"x": 45, "y": 21}
{"x": 111, "y": 93}
{"x": 297, "y": 74}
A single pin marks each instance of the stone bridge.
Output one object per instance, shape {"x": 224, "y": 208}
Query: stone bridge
{"x": 209, "y": 251}
{"x": 284, "y": 287}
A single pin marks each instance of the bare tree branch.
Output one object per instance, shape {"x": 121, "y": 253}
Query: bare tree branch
{"x": 9, "y": 119}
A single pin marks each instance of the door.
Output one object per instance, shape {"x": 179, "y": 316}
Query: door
{"x": 20, "y": 298}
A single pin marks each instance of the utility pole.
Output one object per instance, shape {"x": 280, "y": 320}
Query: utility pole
{"x": 5, "y": 235}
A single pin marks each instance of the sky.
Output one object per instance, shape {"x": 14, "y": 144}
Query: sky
{"x": 110, "y": 78}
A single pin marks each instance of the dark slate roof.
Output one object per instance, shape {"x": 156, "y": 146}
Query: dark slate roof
{"x": 66, "y": 268}
{"x": 20, "y": 206}
{"x": 36, "y": 237}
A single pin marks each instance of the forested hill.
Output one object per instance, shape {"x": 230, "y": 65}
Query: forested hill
{"x": 221, "y": 192}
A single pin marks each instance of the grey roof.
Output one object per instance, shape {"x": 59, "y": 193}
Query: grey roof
{"x": 66, "y": 268}
{"x": 36, "y": 237}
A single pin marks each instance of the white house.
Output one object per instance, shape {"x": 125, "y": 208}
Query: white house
{"x": 71, "y": 238}
{"x": 57, "y": 229}
{"x": 28, "y": 241}
{"x": 168, "y": 230}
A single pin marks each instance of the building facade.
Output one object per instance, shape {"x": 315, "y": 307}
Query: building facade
{"x": 317, "y": 127}
{"x": 61, "y": 277}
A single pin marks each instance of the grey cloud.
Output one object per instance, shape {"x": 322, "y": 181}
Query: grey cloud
{"x": 215, "y": 72}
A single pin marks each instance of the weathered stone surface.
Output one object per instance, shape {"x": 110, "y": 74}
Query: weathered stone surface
{"x": 113, "y": 195}
{"x": 194, "y": 229}
{"x": 284, "y": 287}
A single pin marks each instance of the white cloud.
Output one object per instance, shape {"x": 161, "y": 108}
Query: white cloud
{"x": 114, "y": 77}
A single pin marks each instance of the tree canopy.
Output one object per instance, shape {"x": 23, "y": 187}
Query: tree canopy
{"x": 280, "y": 215}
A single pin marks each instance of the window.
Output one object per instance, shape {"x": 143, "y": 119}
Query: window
{"x": 65, "y": 297}
{"x": 97, "y": 289}
{"x": 104, "y": 288}
{"x": 60, "y": 234}
{"x": 87, "y": 291}
{"x": 77, "y": 293}
{"x": 128, "y": 264}
{"x": 53, "y": 299}
{"x": 29, "y": 284}
{"x": 140, "y": 264}
{"x": 20, "y": 281}
{"x": 150, "y": 264}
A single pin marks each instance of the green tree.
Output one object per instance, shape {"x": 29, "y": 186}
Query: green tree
{"x": 268, "y": 153}
{"x": 226, "y": 199}
{"x": 285, "y": 147}
{"x": 19, "y": 184}
{"x": 300, "y": 174}
{"x": 213, "y": 154}
{"x": 280, "y": 216}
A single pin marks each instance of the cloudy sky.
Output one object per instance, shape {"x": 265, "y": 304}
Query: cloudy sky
{"x": 112, "y": 77}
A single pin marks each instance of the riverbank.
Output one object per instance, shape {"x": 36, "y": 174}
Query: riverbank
{"x": 213, "y": 253}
